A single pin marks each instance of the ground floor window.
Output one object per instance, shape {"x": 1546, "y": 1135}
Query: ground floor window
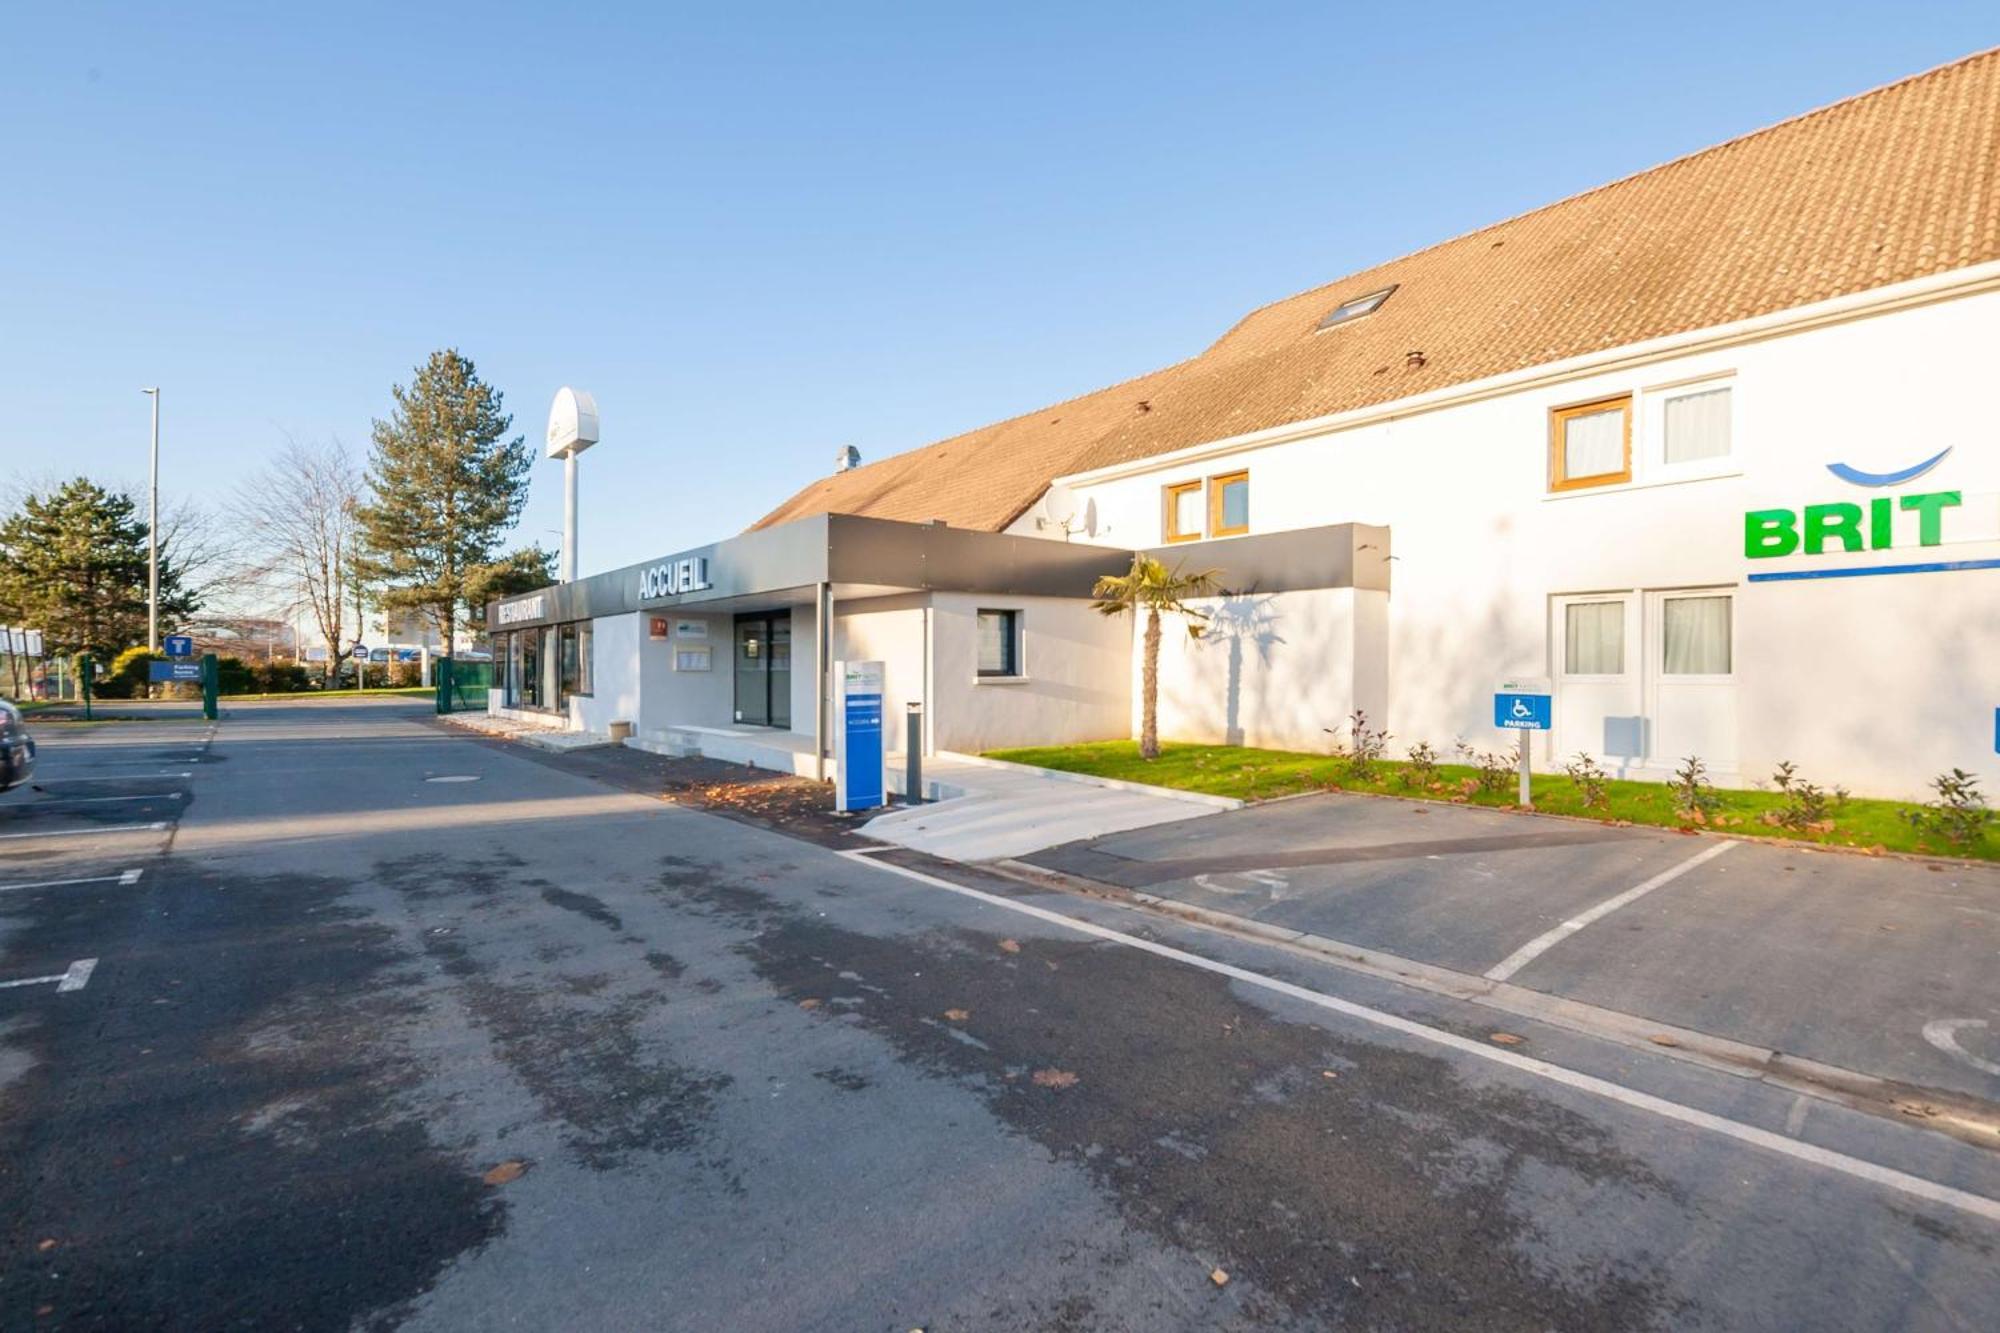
{"x": 544, "y": 668}
{"x": 999, "y": 643}
{"x": 575, "y": 655}
{"x": 1646, "y": 678}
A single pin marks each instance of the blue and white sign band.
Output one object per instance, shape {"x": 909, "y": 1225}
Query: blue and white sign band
{"x": 1871, "y": 571}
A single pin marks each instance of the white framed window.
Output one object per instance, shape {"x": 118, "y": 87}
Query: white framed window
{"x": 1594, "y": 638}
{"x": 999, "y": 644}
{"x": 1694, "y": 425}
{"x": 1697, "y": 635}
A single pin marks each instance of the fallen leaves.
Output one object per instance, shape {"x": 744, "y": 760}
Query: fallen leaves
{"x": 957, "y": 1015}
{"x": 1662, "y": 1039}
{"x": 1218, "y": 1277}
{"x": 1010, "y": 946}
{"x": 1504, "y": 1039}
{"x": 809, "y": 1005}
{"x": 511, "y": 1169}
{"x": 1053, "y": 1078}
{"x": 46, "y": 1246}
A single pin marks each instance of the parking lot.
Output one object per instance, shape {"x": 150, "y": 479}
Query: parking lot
{"x": 1886, "y": 966}
{"x": 101, "y": 812}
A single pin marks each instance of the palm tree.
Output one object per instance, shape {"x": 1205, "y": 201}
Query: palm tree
{"x": 1152, "y": 588}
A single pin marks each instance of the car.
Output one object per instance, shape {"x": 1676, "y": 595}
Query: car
{"x": 17, "y": 748}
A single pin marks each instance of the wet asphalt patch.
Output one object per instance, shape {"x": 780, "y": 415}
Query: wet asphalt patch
{"x": 1353, "y": 1182}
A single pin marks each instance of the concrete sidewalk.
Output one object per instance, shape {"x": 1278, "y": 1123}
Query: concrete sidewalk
{"x": 1885, "y": 966}
{"x": 1012, "y": 810}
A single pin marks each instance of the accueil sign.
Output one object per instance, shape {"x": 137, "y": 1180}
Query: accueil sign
{"x": 672, "y": 577}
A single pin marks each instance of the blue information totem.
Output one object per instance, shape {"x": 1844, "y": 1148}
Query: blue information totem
{"x": 862, "y": 781}
{"x": 172, "y": 671}
{"x": 178, "y": 645}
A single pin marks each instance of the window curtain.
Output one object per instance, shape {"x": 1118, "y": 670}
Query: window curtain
{"x": 1696, "y": 635}
{"x": 1594, "y": 445}
{"x": 1594, "y": 639}
{"x": 1187, "y": 513}
{"x": 1696, "y": 426}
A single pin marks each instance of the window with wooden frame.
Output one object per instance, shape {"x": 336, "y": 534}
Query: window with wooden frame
{"x": 1182, "y": 522}
{"x": 1229, "y": 504}
{"x": 1590, "y": 444}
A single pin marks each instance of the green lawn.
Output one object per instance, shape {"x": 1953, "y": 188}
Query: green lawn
{"x": 1262, "y": 775}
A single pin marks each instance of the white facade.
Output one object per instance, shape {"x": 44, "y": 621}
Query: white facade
{"x": 1683, "y": 644}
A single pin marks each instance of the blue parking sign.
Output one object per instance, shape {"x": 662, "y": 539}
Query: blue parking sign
{"x": 1519, "y": 711}
{"x": 179, "y": 645}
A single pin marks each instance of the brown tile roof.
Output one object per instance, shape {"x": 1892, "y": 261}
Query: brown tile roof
{"x": 1893, "y": 184}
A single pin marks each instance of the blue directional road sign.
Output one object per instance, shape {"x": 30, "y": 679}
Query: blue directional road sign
{"x": 1516, "y": 711}
{"x": 179, "y": 645}
{"x": 161, "y": 671}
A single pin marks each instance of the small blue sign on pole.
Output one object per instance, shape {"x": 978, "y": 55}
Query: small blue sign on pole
{"x": 862, "y": 776}
{"x": 179, "y": 645}
{"x": 171, "y": 671}
{"x": 1520, "y": 711}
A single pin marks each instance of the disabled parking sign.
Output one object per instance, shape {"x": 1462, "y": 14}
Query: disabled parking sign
{"x": 1523, "y": 710}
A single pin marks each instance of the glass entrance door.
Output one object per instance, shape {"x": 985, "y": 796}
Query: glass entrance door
{"x": 763, "y": 664}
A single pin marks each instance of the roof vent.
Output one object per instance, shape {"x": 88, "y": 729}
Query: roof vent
{"x": 847, "y": 459}
{"x": 1359, "y": 306}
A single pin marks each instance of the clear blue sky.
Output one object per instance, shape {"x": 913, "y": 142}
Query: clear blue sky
{"x": 759, "y": 233}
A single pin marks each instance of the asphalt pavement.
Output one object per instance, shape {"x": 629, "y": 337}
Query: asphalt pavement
{"x": 401, "y": 1028}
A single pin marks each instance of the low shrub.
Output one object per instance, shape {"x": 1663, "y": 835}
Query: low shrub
{"x": 1590, "y": 781}
{"x": 281, "y": 678}
{"x": 1958, "y": 813}
{"x": 1365, "y": 756}
{"x": 127, "y": 676}
{"x": 1808, "y": 807}
{"x": 1420, "y": 769}
{"x": 1694, "y": 795}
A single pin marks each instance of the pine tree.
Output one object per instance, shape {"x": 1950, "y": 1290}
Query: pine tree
{"x": 73, "y": 564}
{"x": 446, "y": 483}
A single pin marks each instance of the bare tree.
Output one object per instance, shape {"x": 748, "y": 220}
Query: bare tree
{"x": 297, "y": 517}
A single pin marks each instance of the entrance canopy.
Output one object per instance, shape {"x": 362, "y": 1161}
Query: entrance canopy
{"x": 847, "y": 557}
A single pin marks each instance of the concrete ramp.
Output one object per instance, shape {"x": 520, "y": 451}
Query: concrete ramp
{"x": 1012, "y": 809}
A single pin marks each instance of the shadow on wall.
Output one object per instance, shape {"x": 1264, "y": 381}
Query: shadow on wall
{"x": 1444, "y": 677}
{"x": 1240, "y": 620}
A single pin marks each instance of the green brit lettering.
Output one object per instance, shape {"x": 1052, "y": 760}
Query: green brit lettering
{"x": 1832, "y": 522}
{"x": 1881, "y": 524}
{"x": 1770, "y": 532}
{"x": 1930, "y": 514}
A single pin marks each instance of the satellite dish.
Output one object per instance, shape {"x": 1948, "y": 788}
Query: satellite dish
{"x": 572, "y": 423}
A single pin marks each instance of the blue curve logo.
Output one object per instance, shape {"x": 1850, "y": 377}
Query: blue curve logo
{"x": 1860, "y": 478}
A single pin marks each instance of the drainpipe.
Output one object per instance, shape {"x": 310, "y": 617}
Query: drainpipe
{"x": 823, "y": 669}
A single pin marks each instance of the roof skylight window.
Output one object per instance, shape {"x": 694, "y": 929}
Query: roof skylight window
{"x": 1359, "y": 306}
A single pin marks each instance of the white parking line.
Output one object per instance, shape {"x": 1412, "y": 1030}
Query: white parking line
{"x": 1885, "y": 1176}
{"x": 1539, "y": 945}
{"x": 44, "y": 779}
{"x": 106, "y": 800}
{"x": 126, "y": 877}
{"x": 84, "y": 832}
{"x": 76, "y": 978}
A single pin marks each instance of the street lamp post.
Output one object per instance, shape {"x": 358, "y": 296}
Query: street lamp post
{"x": 153, "y": 534}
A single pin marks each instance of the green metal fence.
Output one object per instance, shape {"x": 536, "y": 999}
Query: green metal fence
{"x": 462, "y": 686}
